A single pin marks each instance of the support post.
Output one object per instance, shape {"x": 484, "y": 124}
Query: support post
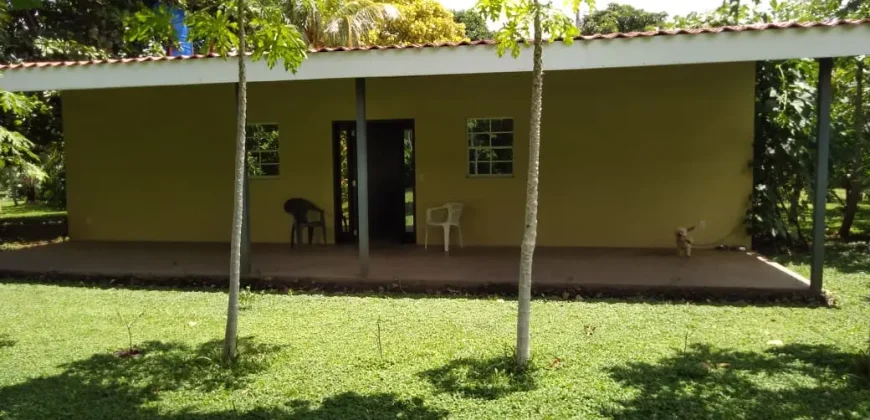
{"x": 246, "y": 218}
{"x": 823, "y": 146}
{"x": 362, "y": 178}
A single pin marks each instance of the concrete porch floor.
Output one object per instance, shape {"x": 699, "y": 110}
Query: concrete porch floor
{"x": 469, "y": 267}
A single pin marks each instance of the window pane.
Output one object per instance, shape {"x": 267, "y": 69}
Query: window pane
{"x": 483, "y": 168}
{"x": 255, "y": 170}
{"x": 271, "y": 157}
{"x": 261, "y": 141}
{"x": 486, "y": 155}
{"x": 472, "y": 168}
{"x": 506, "y": 124}
{"x": 269, "y": 169}
{"x": 502, "y": 168}
{"x": 503, "y": 140}
{"x": 472, "y": 155}
{"x": 503, "y": 154}
{"x": 479, "y": 140}
{"x": 478, "y": 126}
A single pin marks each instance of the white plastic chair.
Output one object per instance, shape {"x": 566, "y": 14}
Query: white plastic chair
{"x": 453, "y": 213}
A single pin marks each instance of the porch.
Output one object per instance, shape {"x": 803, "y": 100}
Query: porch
{"x": 414, "y": 268}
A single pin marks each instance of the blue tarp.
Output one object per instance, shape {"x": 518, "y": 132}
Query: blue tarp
{"x": 184, "y": 47}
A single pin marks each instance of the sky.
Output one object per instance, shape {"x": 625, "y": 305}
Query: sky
{"x": 673, "y": 7}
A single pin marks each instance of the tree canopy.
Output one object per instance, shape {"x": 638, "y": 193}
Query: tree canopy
{"x": 621, "y": 18}
{"x": 419, "y": 22}
{"x": 475, "y": 25}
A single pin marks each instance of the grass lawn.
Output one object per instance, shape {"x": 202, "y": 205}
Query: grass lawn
{"x": 8, "y": 210}
{"x": 312, "y": 356}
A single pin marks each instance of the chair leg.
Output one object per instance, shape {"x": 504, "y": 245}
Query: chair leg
{"x": 323, "y": 234}
{"x": 459, "y": 229}
{"x": 298, "y": 230}
{"x": 293, "y": 236}
{"x": 426, "y": 239}
{"x": 310, "y": 235}
{"x": 446, "y": 238}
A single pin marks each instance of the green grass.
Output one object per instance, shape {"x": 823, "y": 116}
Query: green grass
{"x": 312, "y": 356}
{"x": 27, "y": 210}
{"x": 834, "y": 216}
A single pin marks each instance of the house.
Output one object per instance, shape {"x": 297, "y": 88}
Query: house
{"x": 642, "y": 133}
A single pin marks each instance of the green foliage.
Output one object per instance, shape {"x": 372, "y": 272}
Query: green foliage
{"x": 52, "y": 191}
{"x": 331, "y": 23}
{"x": 15, "y": 149}
{"x": 271, "y": 34}
{"x": 475, "y": 25}
{"x": 418, "y": 22}
{"x": 16, "y": 103}
{"x": 273, "y": 37}
{"x": 621, "y": 18}
{"x": 519, "y": 18}
{"x": 217, "y": 28}
{"x": 151, "y": 24}
{"x": 51, "y": 48}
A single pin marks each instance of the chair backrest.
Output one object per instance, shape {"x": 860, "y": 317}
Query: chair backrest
{"x": 454, "y": 212}
{"x": 300, "y": 207}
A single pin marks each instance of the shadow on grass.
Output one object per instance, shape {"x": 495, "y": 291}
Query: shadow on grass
{"x": 106, "y": 386}
{"x": 482, "y": 378}
{"x": 796, "y": 381}
{"x": 845, "y": 257}
{"x": 352, "y": 405}
{"x": 348, "y": 405}
{"x": 5, "y": 341}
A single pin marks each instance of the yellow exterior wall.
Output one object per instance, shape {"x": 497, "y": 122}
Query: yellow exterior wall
{"x": 627, "y": 155}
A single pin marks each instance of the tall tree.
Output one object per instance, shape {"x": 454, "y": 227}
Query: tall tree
{"x": 224, "y": 30}
{"x": 475, "y": 25}
{"x": 851, "y": 138}
{"x": 418, "y": 22}
{"x": 335, "y": 23}
{"x": 621, "y": 18}
{"x": 524, "y": 17}
{"x": 230, "y": 344}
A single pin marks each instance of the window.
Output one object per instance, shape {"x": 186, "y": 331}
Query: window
{"x": 262, "y": 147}
{"x": 490, "y": 146}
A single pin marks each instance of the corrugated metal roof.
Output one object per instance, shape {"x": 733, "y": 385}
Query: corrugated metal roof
{"x": 669, "y": 32}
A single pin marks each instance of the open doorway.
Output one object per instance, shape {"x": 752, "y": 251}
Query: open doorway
{"x": 390, "y": 181}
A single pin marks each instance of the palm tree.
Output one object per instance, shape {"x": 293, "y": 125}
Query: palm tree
{"x": 332, "y": 23}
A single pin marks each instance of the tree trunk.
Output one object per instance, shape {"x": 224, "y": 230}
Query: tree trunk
{"x": 531, "y": 228}
{"x": 853, "y": 197}
{"x": 856, "y": 177}
{"x": 229, "y": 353}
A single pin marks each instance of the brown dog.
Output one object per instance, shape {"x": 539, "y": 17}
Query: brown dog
{"x": 684, "y": 242}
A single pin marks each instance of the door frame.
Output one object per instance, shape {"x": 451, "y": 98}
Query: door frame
{"x": 337, "y": 126}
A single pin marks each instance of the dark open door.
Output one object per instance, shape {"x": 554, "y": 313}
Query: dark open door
{"x": 344, "y": 162}
{"x": 390, "y": 180}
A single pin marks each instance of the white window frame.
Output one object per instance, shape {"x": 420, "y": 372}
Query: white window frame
{"x": 469, "y": 147}
{"x": 277, "y": 151}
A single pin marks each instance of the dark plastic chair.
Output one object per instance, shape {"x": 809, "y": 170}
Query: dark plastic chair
{"x": 301, "y": 209}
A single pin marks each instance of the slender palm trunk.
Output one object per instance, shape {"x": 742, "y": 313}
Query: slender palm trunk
{"x": 229, "y": 353}
{"x": 856, "y": 181}
{"x": 531, "y": 229}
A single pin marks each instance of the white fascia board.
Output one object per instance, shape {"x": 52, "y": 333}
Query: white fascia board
{"x": 771, "y": 44}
